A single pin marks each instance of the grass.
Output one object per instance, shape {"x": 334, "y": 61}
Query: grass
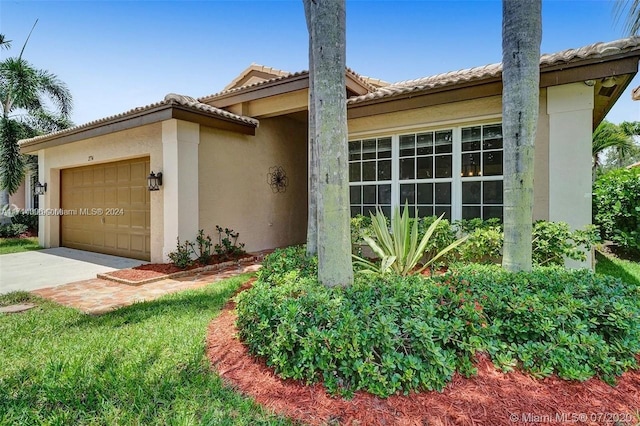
{"x": 626, "y": 270}
{"x": 140, "y": 365}
{"x": 17, "y": 245}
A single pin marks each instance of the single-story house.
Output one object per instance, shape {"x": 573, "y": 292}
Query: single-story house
{"x": 434, "y": 142}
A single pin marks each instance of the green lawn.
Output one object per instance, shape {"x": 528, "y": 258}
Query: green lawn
{"x": 17, "y": 245}
{"x": 624, "y": 269}
{"x": 140, "y": 365}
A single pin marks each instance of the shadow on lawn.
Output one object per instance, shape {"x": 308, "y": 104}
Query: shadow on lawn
{"x": 607, "y": 266}
{"x": 189, "y": 302}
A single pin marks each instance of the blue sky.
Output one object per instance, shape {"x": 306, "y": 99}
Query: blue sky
{"x": 117, "y": 55}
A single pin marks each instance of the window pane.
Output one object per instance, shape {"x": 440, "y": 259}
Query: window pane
{"x": 369, "y": 170}
{"x": 354, "y": 172}
{"x": 443, "y": 166}
{"x": 470, "y": 164}
{"x": 354, "y": 150}
{"x": 384, "y": 170}
{"x": 407, "y": 168}
{"x": 471, "y": 139}
{"x": 407, "y": 145}
{"x": 367, "y": 210}
{"x": 492, "y": 163}
{"x": 492, "y": 138}
{"x": 355, "y": 194}
{"x": 384, "y": 148}
{"x": 384, "y": 194}
{"x": 471, "y": 193}
{"x": 492, "y": 211}
{"x": 443, "y": 193}
{"x": 425, "y": 167}
{"x": 425, "y": 193}
{"x": 424, "y": 211}
{"x": 444, "y": 140}
{"x": 492, "y": 192}
{"x": 369, "y": 149}
{"x": 386, "y": 210}
{"x": 425, "y": 143}
{"x": 407, "y": 194}
{"x": 355, "y": 210}
{"x": 369, "y": 194}
{"x": 470, "y": 212}
{"x": 443, "y": 209}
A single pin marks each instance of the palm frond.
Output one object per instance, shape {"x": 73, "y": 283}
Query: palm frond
{"x": 628, "y": 12}
{"x": 11, "y": 160}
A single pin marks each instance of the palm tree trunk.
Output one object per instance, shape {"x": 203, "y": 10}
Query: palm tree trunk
{"x": 327, "y": 30}
{"x": 312, "y": 187}
{"x": 521, "y": 37}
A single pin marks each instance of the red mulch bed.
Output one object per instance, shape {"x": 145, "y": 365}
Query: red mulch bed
{"x": 490, "y": 398}
{"x": 155, "y": 270}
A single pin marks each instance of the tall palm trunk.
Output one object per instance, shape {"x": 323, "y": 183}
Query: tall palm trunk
{"x": 326, "y": 23}
{"x": 521, "y": 37}
{"x": 312, "y": 164}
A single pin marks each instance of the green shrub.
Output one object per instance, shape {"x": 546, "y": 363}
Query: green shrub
{"x": 384, "y": 334}
{"x": 285, "y": 260}
{"x": 484, "y": 245}
{"x": 443, "y": 235}
{"x": 202, "y": 247}
{"x": 181, "y": 257}
{"x": 30, "y": 220}
{"x": 616, "y": 207}
{"x": 468, "y": 226}
{"x": 228, "y": 247}
{"x": 398, "y": 249}
{"x": 360, "y": 225}
{"x": 12, "y": 230}
{"x": 387, "y": 334}
{"x": 552, "y": 242}
{"x": 572, "y": 323}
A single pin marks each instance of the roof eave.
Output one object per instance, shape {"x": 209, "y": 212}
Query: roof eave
{"x": 152, "y": 115}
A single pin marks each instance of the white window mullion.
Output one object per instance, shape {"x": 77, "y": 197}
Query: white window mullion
{"x": 395, "y": 171}
{"x": 456, "y": 184}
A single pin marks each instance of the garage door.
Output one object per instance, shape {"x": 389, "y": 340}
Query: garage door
{"x": 107, "y": 208}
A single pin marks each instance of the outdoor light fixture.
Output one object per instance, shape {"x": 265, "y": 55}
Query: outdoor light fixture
{"x": 39, "y": 188}
{"x": 155, "y": 181}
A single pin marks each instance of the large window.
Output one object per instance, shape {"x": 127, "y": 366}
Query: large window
{"x": 421, "y": 170}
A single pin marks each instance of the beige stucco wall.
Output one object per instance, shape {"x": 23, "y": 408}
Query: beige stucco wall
{"x": 233, "y": 188}
{"x": 138, "y": 142}
{"x": 570, "y": 112}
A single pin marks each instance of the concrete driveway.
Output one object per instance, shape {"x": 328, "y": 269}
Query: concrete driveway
{"x": 55, "y": 266}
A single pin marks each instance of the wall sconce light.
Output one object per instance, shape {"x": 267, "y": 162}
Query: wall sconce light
{"x": 155, "y": 181}
{"x": 39, "y": 188}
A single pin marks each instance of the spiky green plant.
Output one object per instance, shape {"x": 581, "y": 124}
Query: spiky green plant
{"x": 398, "y": 249}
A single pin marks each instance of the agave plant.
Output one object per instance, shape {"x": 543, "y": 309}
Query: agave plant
{"x": 398, "y": 248}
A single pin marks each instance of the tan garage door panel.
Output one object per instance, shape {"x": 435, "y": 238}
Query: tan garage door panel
{"x": 111, "y": 206}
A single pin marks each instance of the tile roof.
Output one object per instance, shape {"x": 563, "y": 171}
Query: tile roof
{"x": 635, "y": 94}
{"x": 171, "y": 99}
{"x": 591, "y": 52}
{"x": 370, "y": 83}
{"x": 256, "y": 67}
{"x": 252, "y": 85}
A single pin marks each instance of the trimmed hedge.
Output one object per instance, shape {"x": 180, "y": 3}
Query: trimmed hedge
{"x": 395, "y": 334}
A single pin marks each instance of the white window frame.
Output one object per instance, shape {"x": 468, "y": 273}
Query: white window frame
{"x": 456, "y": 163}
